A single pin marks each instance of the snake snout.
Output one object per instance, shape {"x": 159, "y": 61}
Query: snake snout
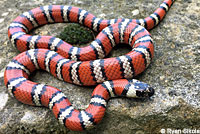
{"x": 144, "y": 90}
{"x": 150, "y": 91}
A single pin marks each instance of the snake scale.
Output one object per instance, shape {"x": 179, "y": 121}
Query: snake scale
{"x": 82, "y": 66}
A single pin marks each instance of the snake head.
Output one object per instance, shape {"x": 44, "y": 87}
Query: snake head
{"x": 143, "y": 90}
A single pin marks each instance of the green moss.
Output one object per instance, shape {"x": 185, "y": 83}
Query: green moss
{"x": 76, "y": 34}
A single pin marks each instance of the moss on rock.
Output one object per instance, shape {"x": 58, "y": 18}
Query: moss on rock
{"x": 76, "y": 34}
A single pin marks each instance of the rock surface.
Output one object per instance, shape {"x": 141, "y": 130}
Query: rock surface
{"x": 174, "y": 72}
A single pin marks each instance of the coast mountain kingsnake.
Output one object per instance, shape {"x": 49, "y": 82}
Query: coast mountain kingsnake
{"x": 81, "y": 66}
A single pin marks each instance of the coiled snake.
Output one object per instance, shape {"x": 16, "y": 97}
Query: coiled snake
{"x": 79, "y": 65}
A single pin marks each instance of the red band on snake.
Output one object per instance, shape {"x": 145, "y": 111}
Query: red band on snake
{"x": 79, "y": 65}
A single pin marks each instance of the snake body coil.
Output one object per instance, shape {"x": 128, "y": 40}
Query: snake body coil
{"x": 79, "y": 65}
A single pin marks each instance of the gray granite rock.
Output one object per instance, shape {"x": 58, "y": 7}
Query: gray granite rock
{"x": 174, "y": 72}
